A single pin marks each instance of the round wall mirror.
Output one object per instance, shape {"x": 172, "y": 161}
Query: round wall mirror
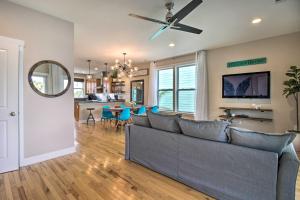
{"x": 49, "y": 78}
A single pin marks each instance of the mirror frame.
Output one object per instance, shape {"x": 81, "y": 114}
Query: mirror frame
{"x": 47, "y": 62}
{"x": 131, "y": 82}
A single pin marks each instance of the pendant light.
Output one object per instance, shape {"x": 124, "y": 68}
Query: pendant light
{"x": 89, "y": 76}
{"x": 106, "y": 73}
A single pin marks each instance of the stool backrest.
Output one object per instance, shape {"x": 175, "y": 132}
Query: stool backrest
{"x": 125, "y": 114}
{"x": 106, "y": 113}
{"x": 142, "y": 110}
{"x": 155, "y": 109}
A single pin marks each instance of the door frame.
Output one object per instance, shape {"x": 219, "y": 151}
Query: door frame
{"x": 141, "y": 80}
{"x": 21, "y": 103}
{"x": 20, "y": 45}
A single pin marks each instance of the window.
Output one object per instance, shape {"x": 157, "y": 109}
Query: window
{"x": 40, "y": 82}
{"x": 66, "y": 81}
{"x": 186, "y": 89}
{"x": 78, "y": 88}
{"x": 165, "y": 89}
{"x": 177, "y": 92}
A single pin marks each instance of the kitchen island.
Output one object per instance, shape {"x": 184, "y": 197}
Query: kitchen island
{"x": 81, "y": 113}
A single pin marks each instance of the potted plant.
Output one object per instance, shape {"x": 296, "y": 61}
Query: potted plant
{"x": 292, "y": 87}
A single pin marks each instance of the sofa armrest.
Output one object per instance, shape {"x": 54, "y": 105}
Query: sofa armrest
{"x": 287, "y": 174}
{"x": 127, "y": 145}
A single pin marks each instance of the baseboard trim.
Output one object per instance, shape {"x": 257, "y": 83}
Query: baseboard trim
{"x": 48, "y": 156}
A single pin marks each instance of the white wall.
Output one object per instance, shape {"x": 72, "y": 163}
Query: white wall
{"x": 281, "y": 52}
{"x": 48, "y": 122}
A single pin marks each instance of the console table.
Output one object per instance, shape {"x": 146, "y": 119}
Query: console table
{"x": 229, "y": 115}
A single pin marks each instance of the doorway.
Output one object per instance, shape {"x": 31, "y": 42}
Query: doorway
{"x": 10, "y": 105}
{"x": 137, "y": 91}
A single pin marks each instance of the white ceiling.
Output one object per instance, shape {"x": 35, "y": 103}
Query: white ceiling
{"x": 103, "y": 29}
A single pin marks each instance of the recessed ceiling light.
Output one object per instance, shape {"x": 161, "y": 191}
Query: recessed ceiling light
{"x": 96, "y": 68}
{"x": 256, "y": 20}
{"x": 171, "y": 44}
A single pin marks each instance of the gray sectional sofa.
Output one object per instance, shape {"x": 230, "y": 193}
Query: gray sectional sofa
{"x": 210, "y": 162}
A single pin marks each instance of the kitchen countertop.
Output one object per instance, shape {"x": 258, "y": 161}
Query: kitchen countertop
{"x": 97, "y": 101}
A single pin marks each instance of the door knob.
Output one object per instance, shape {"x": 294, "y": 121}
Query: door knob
{"x": 12, "y": 114}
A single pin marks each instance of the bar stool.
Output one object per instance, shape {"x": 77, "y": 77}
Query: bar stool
{"x": 91, "y": 116}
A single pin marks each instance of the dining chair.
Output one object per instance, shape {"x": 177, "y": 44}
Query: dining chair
{"x": 155, "y": 109}
{"x": 107, "y": 114}
{"x": 124, "y": 116}
{"x": 142, "y": 110}
{"x": 122, "y": 105}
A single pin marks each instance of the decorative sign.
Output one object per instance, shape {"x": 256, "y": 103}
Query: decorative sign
{"x": 142, "y": 72}
{"x": 241, "y": 63}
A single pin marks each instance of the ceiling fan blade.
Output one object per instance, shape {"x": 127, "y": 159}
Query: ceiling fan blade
{"x": 148, "y": 19}
{"x": 185, "y": 11}
{"x": 182, "y": 27}
{"x": 160, "y": 31}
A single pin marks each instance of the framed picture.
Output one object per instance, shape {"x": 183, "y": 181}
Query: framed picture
{"x": 142, "y": 72}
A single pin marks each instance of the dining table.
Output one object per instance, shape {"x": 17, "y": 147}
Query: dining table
{"x": 118, "y": 110}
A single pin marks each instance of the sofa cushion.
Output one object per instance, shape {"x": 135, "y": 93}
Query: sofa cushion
{"x": 209, "y": 130}
{"x": 165, "y": 122}
{"x": 257, "y": 140}
{"x": 141, "y": 120}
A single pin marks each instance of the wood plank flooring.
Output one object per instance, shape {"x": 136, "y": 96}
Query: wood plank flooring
{"x": 96, "y": 171}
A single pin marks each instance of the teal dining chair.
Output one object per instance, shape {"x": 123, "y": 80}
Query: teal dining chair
{"x": 155, "y": 109}
{"x": 142, "y": 110}
{"x": 106, "y": 114}
{"x": 124, "y": 116}
{"x": 122, "y": 105}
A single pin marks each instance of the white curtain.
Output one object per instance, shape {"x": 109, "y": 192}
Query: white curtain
{"x": 202, "y": 87}
{"x": 152, "y": 91}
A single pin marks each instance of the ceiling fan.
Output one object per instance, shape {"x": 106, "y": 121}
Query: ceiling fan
{"x": 172, "y": 21}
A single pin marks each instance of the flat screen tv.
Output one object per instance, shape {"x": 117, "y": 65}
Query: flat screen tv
{"x": 247, "y": 85}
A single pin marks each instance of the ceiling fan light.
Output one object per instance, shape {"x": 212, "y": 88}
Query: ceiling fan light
{"x": 171, "y": 44}
{"x": 256, "y": 21}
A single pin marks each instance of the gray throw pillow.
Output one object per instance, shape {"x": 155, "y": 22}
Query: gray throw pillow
{"x": 141, "y": 120}
{"x": 209, "y": 130}
{"x": 267, "y": 142}
{"x": 164, "y": 122}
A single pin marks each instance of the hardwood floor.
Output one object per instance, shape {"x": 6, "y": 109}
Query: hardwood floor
{"x": 96, "y": 171}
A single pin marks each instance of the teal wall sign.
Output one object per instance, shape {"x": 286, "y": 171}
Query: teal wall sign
{"x": 241, "y": 63}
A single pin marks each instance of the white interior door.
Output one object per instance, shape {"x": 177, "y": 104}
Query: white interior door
{"x": 9, "y": 123}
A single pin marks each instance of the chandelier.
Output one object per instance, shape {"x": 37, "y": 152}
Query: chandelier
{"x": 124, "y": 69}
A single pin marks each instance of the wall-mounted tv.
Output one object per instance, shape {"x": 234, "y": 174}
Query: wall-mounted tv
{"x": 246, "y": 85}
